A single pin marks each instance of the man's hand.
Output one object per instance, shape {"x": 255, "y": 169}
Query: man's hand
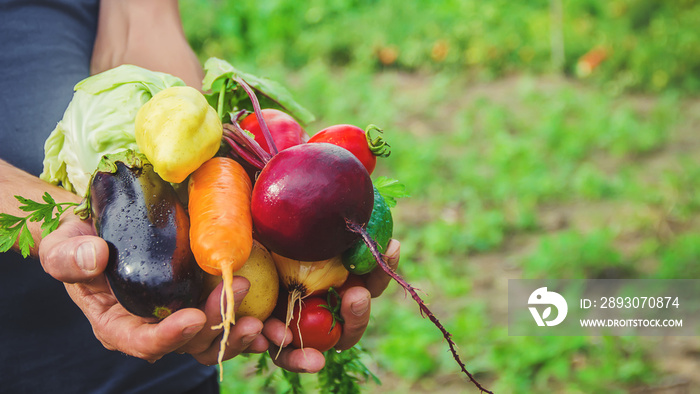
{"x": 75, "y": 256}
{"x": 355, "y": 310}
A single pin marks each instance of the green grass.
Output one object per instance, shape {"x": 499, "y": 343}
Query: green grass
{"x": 510, "y": 176}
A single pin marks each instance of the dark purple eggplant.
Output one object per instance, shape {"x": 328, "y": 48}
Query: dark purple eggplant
{"x": 151, "y": 268}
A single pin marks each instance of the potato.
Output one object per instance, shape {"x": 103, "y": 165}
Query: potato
{"x": 261, "y": 272}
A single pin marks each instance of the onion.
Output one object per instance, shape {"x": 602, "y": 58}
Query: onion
{"x": 305, "y": 278}
{"x": 310, "y": 277}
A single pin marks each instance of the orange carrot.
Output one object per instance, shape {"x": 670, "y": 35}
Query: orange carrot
{"x": 221, "y": 227}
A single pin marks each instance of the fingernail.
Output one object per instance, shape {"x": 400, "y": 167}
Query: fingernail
{"x": 248, "y": 339}
{"x": 359, "y": 308}
{"x": 242, "y": 291}
{"x": 189, "y": 332}
{"x": 85, "y": 257}
{"x": 239, "y": 295}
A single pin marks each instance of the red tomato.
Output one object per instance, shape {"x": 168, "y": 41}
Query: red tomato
{"x": 316, "y": 327}
{"x": 286, "y": 132}
{"x": 355, "y": 140}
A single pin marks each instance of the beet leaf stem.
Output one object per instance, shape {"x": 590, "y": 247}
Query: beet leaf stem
{"x": 374, "y": 248}
{"x": 258, "y": 114}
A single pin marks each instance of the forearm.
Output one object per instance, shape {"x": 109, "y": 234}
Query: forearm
{"x": 14, "y": 181}
{"x": 146, "y": 33}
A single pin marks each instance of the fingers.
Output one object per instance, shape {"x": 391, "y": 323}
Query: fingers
{"x": 355, "y": 311}
{"x": 378, "y": 280}
{"x": 72, "y": 253}
{"x": 119, "y": 330}
{"x": 355, "y": 307}
{"x": 152, "y": 341}
{"x": 244, "y": 335}
{"x": 212, "y": 309}
{"x": 259, "y": 345}
{"x": 307, "y": 360}
{"x": 277, "y": 333}
{"x": 187, "y": 330}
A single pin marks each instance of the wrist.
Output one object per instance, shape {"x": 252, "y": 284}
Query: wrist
{"x": 147, "y": 34}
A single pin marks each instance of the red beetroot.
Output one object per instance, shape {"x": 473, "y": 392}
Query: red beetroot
{"x": 303, "y": 198}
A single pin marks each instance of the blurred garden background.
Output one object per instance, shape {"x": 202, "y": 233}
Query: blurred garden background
{"x": 537, "y": 139}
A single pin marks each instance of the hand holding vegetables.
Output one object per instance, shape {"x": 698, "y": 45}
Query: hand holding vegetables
{"x": 74, "y": 245}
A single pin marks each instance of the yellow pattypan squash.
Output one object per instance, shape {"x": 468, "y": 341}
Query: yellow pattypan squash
{"x": 178, "y": 130}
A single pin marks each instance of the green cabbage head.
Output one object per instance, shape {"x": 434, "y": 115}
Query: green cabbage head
{"x": 99, "y": 120}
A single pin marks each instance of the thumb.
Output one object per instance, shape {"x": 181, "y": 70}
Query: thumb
{"x": 71, "y": 257}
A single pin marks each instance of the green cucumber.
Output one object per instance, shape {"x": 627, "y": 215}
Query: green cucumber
{"x": 358, "y": 258}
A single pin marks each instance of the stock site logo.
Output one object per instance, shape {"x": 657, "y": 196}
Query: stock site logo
{"x": 543, "y": 297}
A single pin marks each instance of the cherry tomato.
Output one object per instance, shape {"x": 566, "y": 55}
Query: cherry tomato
{"x": 357, "y": 141}
{"x": 316, "y": 327}
{"x": 286, "y": 132}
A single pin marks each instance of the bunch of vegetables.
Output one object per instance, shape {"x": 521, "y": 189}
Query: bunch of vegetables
{"x": 192, "y": 189}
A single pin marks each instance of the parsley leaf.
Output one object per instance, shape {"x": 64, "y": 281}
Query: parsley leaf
{"x": 15, "y": 228}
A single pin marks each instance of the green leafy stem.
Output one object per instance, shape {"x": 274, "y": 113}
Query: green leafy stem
{"x": 344, "y": 373}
